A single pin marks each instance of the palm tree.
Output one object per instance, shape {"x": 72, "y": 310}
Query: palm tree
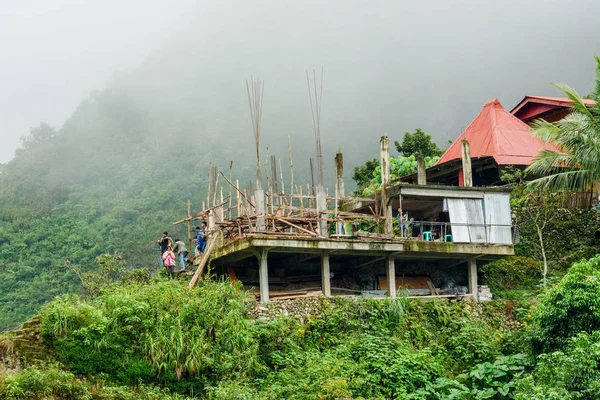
{"x": 577, "y": 166}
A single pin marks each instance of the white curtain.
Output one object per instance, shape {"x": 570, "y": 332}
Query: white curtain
{"x": 467, "y": 220}
{"x": 497, "y": 216}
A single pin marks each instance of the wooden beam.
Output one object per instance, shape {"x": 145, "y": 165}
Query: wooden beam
{"x": 296, "y": 226}
{"x": 205, "y": 256}
{"x": 339, "y": 189}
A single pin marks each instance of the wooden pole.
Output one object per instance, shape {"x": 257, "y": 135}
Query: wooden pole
{"x": 291, "y": 169}
{"x": 238, "y": 199}
{"x": 282, "y": 201}
{"x": 221, "y": 211}
{"x": 203, "y": 261}
{"x": 209, "y": 184}
{"x": 312, "y": 178}
{"x": 189, "y": 233}
{"x": 216, "y": 185}
{"x": 230, "y": 188}
{"x": 339, "y": 189}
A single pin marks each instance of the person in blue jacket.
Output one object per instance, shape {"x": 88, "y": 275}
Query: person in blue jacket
{"x": 200, "y": 239}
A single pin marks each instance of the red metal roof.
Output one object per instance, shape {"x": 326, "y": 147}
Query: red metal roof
{"x": 533, "y": 107}
{"x": 497, "y": 133}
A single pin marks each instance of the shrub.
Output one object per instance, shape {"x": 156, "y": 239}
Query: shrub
{"x": 155, "y": 333}
{"x": 54, "y": 383}
{"x": 489, "y": 380}
{"x": 36, "y": 383}
{"x": 572, "y": 373}
{"x": 512, "y": 273}
{"x": 570, "y": 307}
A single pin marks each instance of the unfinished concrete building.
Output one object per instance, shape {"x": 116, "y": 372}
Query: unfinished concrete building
{"x": 299, "y": 244}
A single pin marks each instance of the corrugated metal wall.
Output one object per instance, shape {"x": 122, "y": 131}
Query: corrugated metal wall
{"x": 467, "y": 220}
{"x": 497, "y": 212}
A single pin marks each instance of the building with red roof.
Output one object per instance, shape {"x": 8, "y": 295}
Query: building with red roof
{"x": 551, "y": 109}
{"x": 497, "y": 138}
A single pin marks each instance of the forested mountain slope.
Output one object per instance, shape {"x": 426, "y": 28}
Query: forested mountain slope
{"x": 110, "y": 180}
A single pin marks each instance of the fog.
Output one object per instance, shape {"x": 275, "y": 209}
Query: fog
{"x": 389, "y": 66}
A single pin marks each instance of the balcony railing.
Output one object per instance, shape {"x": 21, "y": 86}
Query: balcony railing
{"x": 464, "y": 232}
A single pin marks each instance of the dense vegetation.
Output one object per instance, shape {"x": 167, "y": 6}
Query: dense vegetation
{"x": 368, "y": 175}
{"x": 110, "y": 180}
{"x": 157, "y": 339}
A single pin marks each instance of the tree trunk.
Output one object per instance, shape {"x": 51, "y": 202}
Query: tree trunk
{"x": 545, "y": 270}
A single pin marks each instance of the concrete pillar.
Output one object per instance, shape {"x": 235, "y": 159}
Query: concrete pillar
{"x": 421, "y": 171}
{"x": 466, "y": 164}
{"x": 472, "y": 265}
{"x": 391, "y": 276}
{"x": 339, "y": 189}
{"x": 263, "y": 275}
{"x": 325, "y": 274}
{"x": 259, "y": 202}
{"x": 322, "y": 211}
{"x": 384, "y": 155}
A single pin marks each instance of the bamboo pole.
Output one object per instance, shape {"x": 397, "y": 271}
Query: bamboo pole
{"x": 189, "y": 230}
{"x": 230, "y": 193}
{"x": 238, "y": 199}
{"x": 209, "y": 185}
{"x": 291, "y": 167}
{"x": 216, "y": 185}
{"x": 220, "y": 210}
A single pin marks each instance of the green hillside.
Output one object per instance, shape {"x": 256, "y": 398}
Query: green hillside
{"x": 110, "y": 180}
{"x": 147, "y": 338}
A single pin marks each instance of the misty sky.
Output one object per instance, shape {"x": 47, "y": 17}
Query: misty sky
{"x": 429, "y": 64}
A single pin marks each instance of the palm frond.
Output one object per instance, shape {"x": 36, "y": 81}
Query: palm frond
{"x": 545, "y": 131}
{"x": 578, "y": 180}
{"x": 548, "y": 162}
{"x": 596, "y": 94}
{"x": 577, "y": 101}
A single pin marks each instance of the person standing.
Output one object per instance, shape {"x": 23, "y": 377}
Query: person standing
{"x": 182, "y": 253}
{"x": 169, "y": 262}
{"x": 200, "y": 239}
{"x": 403, "y": 223}
{"x": 164, "y": 242}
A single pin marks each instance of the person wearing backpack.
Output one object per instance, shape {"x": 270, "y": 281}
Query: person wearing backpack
{"x": 168, "y": 258}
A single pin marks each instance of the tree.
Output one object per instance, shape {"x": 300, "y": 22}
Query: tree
{"x": 577, "y": 165}
{"x": 571, "y": 307}
{"x": 38, "y": 134}
{"x": 364, "y": 173}
{"x": 538, "y": 210}
{"x": 418, "y": 143}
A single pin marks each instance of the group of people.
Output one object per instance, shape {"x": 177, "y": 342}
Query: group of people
{"x": 171, "y": 250}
